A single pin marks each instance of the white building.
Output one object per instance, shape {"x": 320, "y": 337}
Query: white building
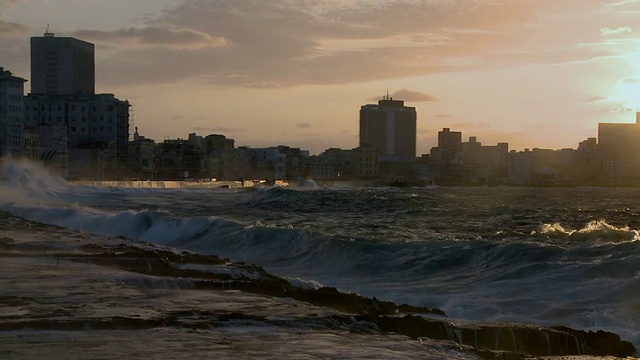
{"x": 11, "y": 113}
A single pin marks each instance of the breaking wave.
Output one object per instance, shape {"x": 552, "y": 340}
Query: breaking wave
{"x": 598, "y": 231}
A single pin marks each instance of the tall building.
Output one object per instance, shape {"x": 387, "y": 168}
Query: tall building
{"x": 389, "y": 128}
{"x": 11, "y": 113}
{"x": 62, "y": 66}
{"x": 619, "y": 148}
{"x": 620, "y": 140}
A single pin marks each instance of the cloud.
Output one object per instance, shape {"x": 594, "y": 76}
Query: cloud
{"x": 303, "y": 125}
{"x": 615, "y": 31}
{"x": 286, "y": 43}
{"x": 9, "y": 29}
{"x": 264, "y": 85}
{"x": 596, "y": 99}
{"x": 413, "y": 96}
{"x": 217, "y": 129}
{"x": 8, "y": 4}
{"x": 406, "y": 95}
{"x": 621, "y": 109}
{"x": 182, "y": 117}
{"x": 153, "y": 36}
{"x": 631, "y": 81}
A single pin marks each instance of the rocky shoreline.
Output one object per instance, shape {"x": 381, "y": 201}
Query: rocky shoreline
{"x": 64, "y": 284}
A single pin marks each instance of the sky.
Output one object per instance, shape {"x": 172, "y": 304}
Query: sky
{"x": 533, "y": 73}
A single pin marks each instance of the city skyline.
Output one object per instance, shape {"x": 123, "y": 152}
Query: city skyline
{"x": 281, "y": 72}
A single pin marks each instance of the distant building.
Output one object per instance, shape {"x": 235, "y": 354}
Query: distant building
{"x": 141, "y": 158}
{"x": 389, "y": 128}
{"x": 333, "y": 164}
{"x": 53, "y": 149}
{"x": 446, "y": 157}
{"x": 272, "y": 163}
{"x": 11, "y": 113}
{"x": 62, "y": 66}
{"x": 219, "y": 157}
{"x": 366, "y": 162}
{"x": 178, "y": 159}
{"x": 542, "y": 167}
{"x": 97, "y": 122}
{"x": 619, "y": 148}
{"x": 484, "y": 165}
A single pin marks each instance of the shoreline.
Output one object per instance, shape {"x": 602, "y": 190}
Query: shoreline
{"x": 86, "y": 288}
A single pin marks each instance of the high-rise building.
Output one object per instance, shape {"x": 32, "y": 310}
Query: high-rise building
{"x": 620, "y": 140}
{"x": 11, "y": 113}
{"x": 619, "y": 148}
{"x": 62, "y": 66}
{"x": 389, "y": 128}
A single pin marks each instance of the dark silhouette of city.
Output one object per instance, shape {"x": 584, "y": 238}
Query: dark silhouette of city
{"x": 81, "y": 135}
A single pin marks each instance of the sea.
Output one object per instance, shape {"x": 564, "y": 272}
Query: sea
{"x": 543, "y": 256}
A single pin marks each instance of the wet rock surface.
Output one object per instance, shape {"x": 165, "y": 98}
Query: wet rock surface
{"x": 69, "y": 285}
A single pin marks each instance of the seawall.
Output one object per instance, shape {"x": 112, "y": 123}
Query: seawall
{"x": 160, "y": 184}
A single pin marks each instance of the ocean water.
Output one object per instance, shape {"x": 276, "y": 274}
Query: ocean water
{"x": 545, "y": 256}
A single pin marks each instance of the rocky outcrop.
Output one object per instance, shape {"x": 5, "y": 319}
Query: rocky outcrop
{"x": 514, "y": 338}
{"x": 213, "y": 273}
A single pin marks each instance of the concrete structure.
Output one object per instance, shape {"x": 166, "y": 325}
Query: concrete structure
{"x": 53, "y": 150}
{"x": 389, "y": 127}
{"x": 98, "y": 122}
{"x": 445, "y": 158}
{"x": 366, "y": 161}
{"x": 543, "y": 167}
{"x": 333, "y": 164}
{"x": 178, "y": 159}
{"x": 11, "y": 113}
{"x": 62, "y": 66}
{"x": 220, "y": 157}
{"x": 272, "y": 163}
{"x": 619, "y": 149}
{"x": 484, "y": 165}
{"x": 141, "y": 158}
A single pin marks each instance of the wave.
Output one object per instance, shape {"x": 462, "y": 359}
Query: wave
{"x": 30, "y": 176}
{"x": 597, "y": 231}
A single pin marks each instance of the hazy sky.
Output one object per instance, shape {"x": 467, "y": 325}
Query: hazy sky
{"x": 534, "y": 73}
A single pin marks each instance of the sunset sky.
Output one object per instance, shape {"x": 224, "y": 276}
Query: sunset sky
{"x": 534, "y": 73}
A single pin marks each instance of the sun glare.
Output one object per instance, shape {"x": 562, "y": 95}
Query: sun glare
{"x": 629, "y": 87}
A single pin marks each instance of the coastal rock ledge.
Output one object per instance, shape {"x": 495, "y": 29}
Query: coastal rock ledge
{"x": 505, "y": 338}
{"x": 153, "y": 267}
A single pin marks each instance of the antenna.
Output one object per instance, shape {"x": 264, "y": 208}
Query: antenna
{"x": 47, "y": 33}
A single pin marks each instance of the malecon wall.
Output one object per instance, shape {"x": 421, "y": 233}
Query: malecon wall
{"x": 148, "y": 184}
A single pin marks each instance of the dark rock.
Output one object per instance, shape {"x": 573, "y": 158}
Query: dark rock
{"x": 495, "y": 341}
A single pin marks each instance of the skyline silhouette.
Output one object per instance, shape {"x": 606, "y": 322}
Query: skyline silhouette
{"x": 273, "y": 72}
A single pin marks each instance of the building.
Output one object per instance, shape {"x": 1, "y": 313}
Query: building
{"x": 62, "y": 66}
{"x": 619, "y": 148}
{"x": 96, "y": 123}
{"x": 11, "y": 113}
{"x": 446, "y": 157}
{"x": 389, "y": 128}
{"x": 484, "y": 165}
{"x": 333, "y": 164}
{"x": 178, "y": 159}
{"x": 141, "y": 157}
{"x": 620, "y": 140}
{"x": 220, "y": 157}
